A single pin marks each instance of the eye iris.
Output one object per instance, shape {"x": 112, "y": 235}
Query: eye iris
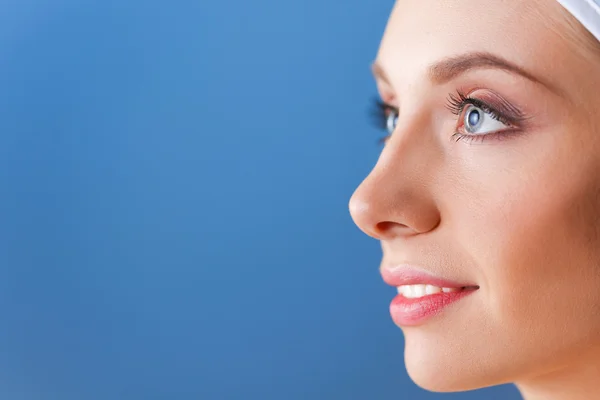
{"x": 392, "y": 120}
{"x": 473, "y": 119}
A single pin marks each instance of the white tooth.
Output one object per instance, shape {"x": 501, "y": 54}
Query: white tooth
{"x": 416, "y": 291}
{"x": 430, "y": 289}
{"x": 405, "y": 290}
{"x": 419, "y": 290}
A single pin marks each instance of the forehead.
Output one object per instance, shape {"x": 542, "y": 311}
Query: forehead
{"x": 420, "y": 32}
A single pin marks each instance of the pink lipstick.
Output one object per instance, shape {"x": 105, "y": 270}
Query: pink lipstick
{"x": 421, "y": 295}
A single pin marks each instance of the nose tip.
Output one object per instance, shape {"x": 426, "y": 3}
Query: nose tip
{"x": 368, "y": 219}
{"x": 383, "y": 209}
{"x": 359, "y": 211}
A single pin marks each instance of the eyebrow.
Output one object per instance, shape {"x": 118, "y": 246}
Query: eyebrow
{"x": 449, "y": 68}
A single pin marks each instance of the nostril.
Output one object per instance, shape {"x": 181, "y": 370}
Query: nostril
{"x": 387, "y": 228}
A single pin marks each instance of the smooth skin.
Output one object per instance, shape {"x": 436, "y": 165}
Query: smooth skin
{"x": 516, "y": 212}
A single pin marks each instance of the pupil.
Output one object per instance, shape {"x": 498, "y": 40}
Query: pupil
{"x": 473, "y": 118}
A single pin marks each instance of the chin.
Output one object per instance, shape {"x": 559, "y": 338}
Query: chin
{"x": 435, "y": 368}
{"x": 433, "y": 380}
{"x": 436, "y": 379}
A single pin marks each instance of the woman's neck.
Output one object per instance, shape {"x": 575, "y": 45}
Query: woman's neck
{"x": 579, "y": 380}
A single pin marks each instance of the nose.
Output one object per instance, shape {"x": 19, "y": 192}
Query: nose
{"x": 396, "y": 198}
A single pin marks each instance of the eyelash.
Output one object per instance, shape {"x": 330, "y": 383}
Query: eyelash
{"x": 380, "y": 115}
{"x": 456, "y": 103}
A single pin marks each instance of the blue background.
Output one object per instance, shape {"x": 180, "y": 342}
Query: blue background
{"x": 174, "y": 223}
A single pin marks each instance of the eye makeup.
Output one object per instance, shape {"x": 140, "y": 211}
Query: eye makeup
{"x": 385, "y": 118}
{"x": 482, "y": 106}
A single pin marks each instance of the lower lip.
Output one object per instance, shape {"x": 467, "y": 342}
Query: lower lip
{"x": 411, "y": 312}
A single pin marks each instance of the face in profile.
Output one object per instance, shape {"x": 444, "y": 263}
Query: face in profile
{"x": 486, "y": 195}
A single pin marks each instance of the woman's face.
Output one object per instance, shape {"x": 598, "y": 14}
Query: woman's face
{"x": 508, "y": 201}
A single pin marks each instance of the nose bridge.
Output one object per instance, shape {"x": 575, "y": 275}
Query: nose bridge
{"x": 396, "y": 197}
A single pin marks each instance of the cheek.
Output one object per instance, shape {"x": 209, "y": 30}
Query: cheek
{"x": 532, "y": 236}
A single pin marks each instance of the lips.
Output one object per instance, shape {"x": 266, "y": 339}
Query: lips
{"x": 420, "y": 294}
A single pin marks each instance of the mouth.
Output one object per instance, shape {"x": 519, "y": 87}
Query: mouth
{"x": 421, "y": 295}
{"x": 421, "y": 290}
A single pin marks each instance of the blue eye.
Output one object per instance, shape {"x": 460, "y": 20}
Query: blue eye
{"x": 473, "y": 119}
{"x": 480, "y": 122}
{"x": 386, "y": 118}
{"x": 392, "y": 121}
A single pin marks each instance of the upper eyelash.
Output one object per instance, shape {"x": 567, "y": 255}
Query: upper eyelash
{"x": 457, "y": 102}
{"x": 380, "y": 112}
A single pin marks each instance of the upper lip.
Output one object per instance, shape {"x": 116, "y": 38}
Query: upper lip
{"x": 407, "y": 274}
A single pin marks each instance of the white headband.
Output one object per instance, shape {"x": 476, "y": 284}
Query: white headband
{"x": 587, "y": 12}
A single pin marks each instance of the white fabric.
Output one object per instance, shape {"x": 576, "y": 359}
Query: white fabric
{"x": 587, "y": 12}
